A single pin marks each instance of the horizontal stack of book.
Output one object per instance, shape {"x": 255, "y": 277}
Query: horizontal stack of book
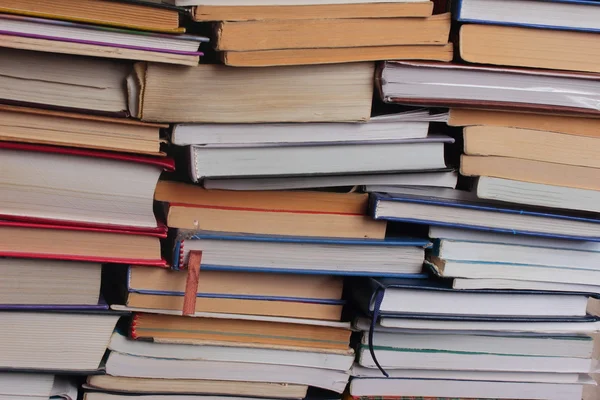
{"x": 305, "y": 33}
{"x": 525, "y": 232}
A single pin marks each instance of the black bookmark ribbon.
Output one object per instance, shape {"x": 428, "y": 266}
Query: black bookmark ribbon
{"x": 378, "y": 298}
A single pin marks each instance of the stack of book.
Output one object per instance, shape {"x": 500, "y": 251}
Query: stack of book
{"x": 526, "y": 232}
{"x": 313, "y": 240}
{"x": 268, "y": 33}
{"x": 77, "y": 188}
{"x": 110, "y": 29}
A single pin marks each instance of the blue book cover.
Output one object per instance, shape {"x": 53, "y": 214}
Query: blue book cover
{"x": 183, "y": 236}
{"x": 465, "y": 201}
{"x": 552, "y": 23}
{"x": 368, "y": 294}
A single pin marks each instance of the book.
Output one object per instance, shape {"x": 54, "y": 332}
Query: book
{"x": 437, "y": 178}
{"x": 318, "y": 93}
{"x": 87, "y": 48}
{"x": 236, "y": 297}
{"x": 317, "y": 159}
{"x": 119, "y": 364}
{"x": 43, "y": 28}
{"x": 358, "y": 371}
{"x": 426, "y": 84}
{"x": 505, "y": 282}
{"x": 80, "y": 243}
{"x": 528, "y": 327}
{"x": 580, "y": 125}
{"x": 296, "y": 308}
{"x": 270, "y": 58}
{"x": 250, "y": 11}
{"x": 440, "y": 232}
{"x": 471, "y": 360}
{"x": 49, "y": 282}
{"x": 63, "y": 81}
{"x": 94, "y": 395}
{"x": 230, "y": 331}
{"x": 562, "y": 14}
{"x": 529, "y": 47}
{"x": 466, "y": 389}
{"x": 331, "y": 33}
{"x": 132, "y": 15}
{"x": 571, "y": 275}
{"x": 34, "y": 125}
{"x": 460, "y": 209}
{"x": 537, "y": 194}
{"x": 569, "y": 346}
{"x": 520, "y": 143}
{"x": 301, "y": 255}
{"x": 22, "y": 384}
{"x": 317, "y": 214}
{"x": 54, "y": 341}
{"x": 228, "y": 284}
{"x": 39, "y": 184}
{"x": 390, "y": 127}
{"x": 414, "y": 297}
{"x": 193, "y": 386}
{"x": 234, "y": 354}
{"x": 537, "y": 172}
{"x": 516, "y": 254}
{"x": 36, "y": 386}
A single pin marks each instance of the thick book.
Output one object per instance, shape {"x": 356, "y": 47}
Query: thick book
{"x": 330, "y": 310}
{"x": 78, "y": 47}
{"x": 130, "y": 15}
{"x": 531, "y": 144}
{"x": 120, "y": 364}
{"x": 415, "y": 298}
{"x": 537, "y": 194}
{"x": 39, "y": 126}
{"x": 435, "y": 388}
{"x": 571, "y": 124}
{"x": 129, "y": 385}
{"x": 536, "y": 172}
{"x": 426, "y": 84}
{"x": 55, "y": 340}
{"x": 436, "y": 178}
{"x": 224, "y": 291}
{"x": 413, "y": 124}
{"x": 33, "y": 386}
{"x": 508, "y": 282}
{"x": 460, "y": 209}
{"x": 80, "y": 243}
{"x": 478, "y": 353}
{"x": 304, "y": 255}
{"x": 517, "y": 254}
{"x": 63, "y": 81}
{"x": 571, "y": 15}
{"x": 224, "y": 330}
{"x": 73, "y": 32}
{"x": 250, "y": 11}
{"x": 331, "y": 33}
{"x": 270, "y": 58}
{"x": 316, "y": 214}
{"x": 530, "y": 47}
{"x": 236, "y": 354}
{"x": 259, "y": 160}
{"x": 227, "y": 284}
{"x": 316, "y": 93}
{"x": 43, "y": 187}
{"x": 49, "y": 282}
